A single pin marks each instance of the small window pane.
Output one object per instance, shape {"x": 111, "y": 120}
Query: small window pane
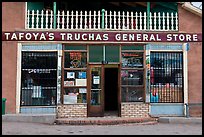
{"x": 95, "y": 97}
{"x": 132, "y": 94}
{"x": 75, "y": 60}
{"x": 132, "y": 77}
{"x": 95, "y": 53}
{"x": 75, "y": 95}
{"x": 112, "y": 53}
{"x": 132, "y": 60}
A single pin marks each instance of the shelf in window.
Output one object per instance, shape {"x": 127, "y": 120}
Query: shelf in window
{"x": 75, "y": 86}
{"x": 41, "y": 88}
{"x": 132, "y": 86}
{"x": 166, "y": 68}
{"x": 75, "y": 69}
{"x": 132, "y": 68}
{"x": 131, "y": 78}
{"x": 75, "y": 50}
{"x": 39, "y": 71}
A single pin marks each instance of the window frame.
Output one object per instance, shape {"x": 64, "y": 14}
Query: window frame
{"x": 142, "y": 87}
{"x": 63, "y": 87}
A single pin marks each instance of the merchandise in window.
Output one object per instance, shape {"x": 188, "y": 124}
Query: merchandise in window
{"x": 132, "y": 60}
{"x": 75, "y": 60}
{"x": 132, "y": 74}
{"x": 166, "y": 77}
{"x": 75, "y": 95}
{"x": 75, "y": 74}
{"x": 39, "y": 78}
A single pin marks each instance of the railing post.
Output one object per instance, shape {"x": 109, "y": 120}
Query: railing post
{"x": 102, "y": 25}
{"x": 103, "y": 18}
{"x": 148, "y": 13}
{"x": 55, "y": 10}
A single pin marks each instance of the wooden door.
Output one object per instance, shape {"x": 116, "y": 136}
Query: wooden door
{"x": 96, "y": 91}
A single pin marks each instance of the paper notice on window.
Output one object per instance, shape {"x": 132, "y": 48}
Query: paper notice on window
{"x": 70, "y": 75}
{"x": 70, "y": 99}
{"x": 96, "y": 80}
{"x": 68, "y": 83}
{"x": 82, "y": 90}
{"x": 80, "y": 82}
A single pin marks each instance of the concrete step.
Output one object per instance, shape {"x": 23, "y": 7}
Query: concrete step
{"x": 180, "y": 120}
{"x": 104, "y": 121}
{"x": 34, "y": 118}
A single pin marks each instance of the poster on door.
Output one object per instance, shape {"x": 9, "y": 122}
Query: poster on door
{"x": 96, "y": 80}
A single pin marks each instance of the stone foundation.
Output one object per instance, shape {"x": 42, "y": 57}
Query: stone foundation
{"x": 72, "y": 110}
{"x": 134, "y": 110}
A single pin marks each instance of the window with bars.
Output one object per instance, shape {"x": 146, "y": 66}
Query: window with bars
{"x": 166, "y": 77}
{"x": 38, "y": 78}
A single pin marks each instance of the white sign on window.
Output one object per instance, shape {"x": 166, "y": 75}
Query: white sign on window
{"x": 70, "y": 75}
{"x": 81, "y": 82}
{"x": 96, "y": 80}
{"x": 70, "y": 99}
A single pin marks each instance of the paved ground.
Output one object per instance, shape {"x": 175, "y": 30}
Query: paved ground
{"x": 20, "y": 128}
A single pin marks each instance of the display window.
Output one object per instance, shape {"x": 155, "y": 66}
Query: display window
{"x": 74, "y": 84}
{"x": 132, "y": 74}
{"x": 38, "y": 78}
{"x": 166, "y": 77}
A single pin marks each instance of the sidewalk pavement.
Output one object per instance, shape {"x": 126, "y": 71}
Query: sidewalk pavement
{"x": 34, "y": 118}
{"x": 180, "y": 120}
{"x": 51, "y": 119}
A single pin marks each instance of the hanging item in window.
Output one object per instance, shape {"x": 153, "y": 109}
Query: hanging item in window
{"x": 75, "y": 58}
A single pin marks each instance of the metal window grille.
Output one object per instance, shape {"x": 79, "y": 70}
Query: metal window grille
{"x": 39, "y": 78}
{"x": 166, "y": 77}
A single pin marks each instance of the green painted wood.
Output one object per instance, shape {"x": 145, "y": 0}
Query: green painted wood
{"x": 35, "y": 6}
{"x": 103, "y": 19}
{"x": 148, "y": 14}
{"x": 75, "y": 47}
{"x": 168, "y": 5}
{"x": 133, "y": 47}
{"x": 55, "y": 11}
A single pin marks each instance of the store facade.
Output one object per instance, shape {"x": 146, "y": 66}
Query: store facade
{"x": 91, "y": 73}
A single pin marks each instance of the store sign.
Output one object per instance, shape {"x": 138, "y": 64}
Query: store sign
{"x": 108, "y": 36}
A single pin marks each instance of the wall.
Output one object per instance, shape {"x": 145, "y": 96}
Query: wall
{"x": 189, "y": 22}
{"x": 72, "y": 110}
{"x": 134, "y": 109}
{"x": 13, "y": 17}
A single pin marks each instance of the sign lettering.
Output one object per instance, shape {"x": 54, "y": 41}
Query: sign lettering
{"x": 107, "y": 36}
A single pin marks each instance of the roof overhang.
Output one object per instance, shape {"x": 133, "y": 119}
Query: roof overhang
{"x": 188, "y": 6}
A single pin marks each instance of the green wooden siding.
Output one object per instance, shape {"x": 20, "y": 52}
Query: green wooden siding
{"x": 77, "y": 47}
{"x": 138, "y": 47}
{"x": 35, "y": 5}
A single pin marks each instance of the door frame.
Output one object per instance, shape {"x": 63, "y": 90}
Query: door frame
{"x": 101, "y": 109}
{"x": 118, "y": 86}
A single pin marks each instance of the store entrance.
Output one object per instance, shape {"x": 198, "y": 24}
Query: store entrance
{"x": 103, "y": 95}
{"x": 111, "y": 92}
